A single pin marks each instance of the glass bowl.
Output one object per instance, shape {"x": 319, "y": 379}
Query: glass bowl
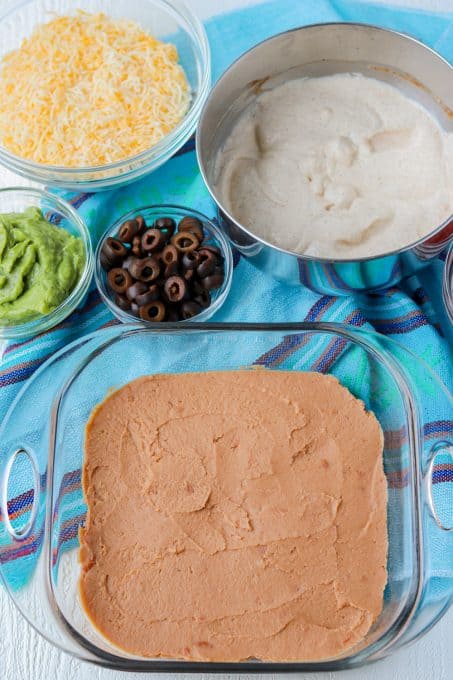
{"x": 447, "y": 287}
{"x": 167, "y": 20}
{"x": 177, "y": 212}
{"x": 61, "y": 213}
{"x": 46, "y": 424}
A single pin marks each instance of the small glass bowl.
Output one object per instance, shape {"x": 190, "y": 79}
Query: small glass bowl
{"x": 177, "y": 212}
{"x": 447, "y": 288}
{"x": 167, "y": 20}
{"x": 60, "y": 213}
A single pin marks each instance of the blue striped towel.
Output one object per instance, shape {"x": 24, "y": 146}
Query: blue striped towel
{"x": 411, "y": 314}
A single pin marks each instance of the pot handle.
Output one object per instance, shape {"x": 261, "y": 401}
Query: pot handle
{"x": 443, "y": 447}
{"x": 8, "y": 506}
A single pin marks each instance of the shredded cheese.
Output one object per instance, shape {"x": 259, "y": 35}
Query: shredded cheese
{"x": 87, "y": 90}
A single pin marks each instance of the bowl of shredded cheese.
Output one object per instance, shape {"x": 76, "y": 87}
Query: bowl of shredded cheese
{"x": 94, "y": 94}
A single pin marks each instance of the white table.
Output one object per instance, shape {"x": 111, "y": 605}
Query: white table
{"x": 24, "y": 655}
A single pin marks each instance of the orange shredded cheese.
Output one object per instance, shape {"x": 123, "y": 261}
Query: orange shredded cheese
{"x": 87, "y": 90}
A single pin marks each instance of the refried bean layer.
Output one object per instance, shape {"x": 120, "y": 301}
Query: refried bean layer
{"x": 234, "y": 515}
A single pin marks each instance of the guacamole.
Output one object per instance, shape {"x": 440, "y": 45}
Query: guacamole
{"x": 40, "y": 265}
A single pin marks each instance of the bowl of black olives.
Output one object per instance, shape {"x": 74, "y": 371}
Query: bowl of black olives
{"x": 163, "y": 263}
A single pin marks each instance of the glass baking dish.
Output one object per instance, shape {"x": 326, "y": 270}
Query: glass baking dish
{"x": 44, "y": 428}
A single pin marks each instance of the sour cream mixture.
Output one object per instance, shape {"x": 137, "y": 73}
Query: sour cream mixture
{"x": 341, "y": 166}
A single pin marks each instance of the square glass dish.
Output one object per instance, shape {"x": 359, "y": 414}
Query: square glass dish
{"x": 42, "y": 507}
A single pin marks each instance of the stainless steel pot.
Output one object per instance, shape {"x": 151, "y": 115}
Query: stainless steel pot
{"x": 319, "y": 50}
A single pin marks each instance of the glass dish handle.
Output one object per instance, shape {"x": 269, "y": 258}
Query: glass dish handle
{"x": 19, "y": 533}
{"x": 445, "y": 448}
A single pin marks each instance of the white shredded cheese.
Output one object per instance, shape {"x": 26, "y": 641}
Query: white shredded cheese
{"x": 87, "y": 90}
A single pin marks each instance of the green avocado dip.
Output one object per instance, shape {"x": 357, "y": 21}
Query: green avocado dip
{"x": 40, "y": 265}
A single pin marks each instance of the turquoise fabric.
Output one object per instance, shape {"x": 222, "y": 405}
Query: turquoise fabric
{"x": 411, "y": 314}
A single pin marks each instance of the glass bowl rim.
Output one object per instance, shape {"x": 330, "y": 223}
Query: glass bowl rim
{"x": 199, "y": 38}
{"x": 223, "y": 291}
{"x": 46, "y": 321}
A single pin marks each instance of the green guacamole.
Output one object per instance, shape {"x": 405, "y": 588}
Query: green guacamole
{"x": 40, "y": 265}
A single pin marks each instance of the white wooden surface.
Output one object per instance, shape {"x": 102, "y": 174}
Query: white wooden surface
{"x": 24, "y": 655}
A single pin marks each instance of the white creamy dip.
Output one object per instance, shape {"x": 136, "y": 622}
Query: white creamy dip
{"x": 341, "y": 166}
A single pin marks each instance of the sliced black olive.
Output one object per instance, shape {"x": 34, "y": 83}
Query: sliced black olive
{"x": 128, "y": 230}
{"x": 190, "y": 309}
{"x": 152, "y": 240}
{"x": 203, "y": 298}
{"x": 213, "y": 282}
{"x": 135, "y": 309}
{"x": 106, "y": 263}
{"x": 214, "y": 250}
{"x": 149, "y": 269}
{"x": 137, "y": 249}
{"x": 184, "y": 241}
{"x": 122, "y": 302}
{"x": 114, "y": 250}
{"x": 167, "y": 225}
{"x": 171, "y": 269}
{"x": 141, "y": 224}
{"x": 126, "y": 264}
{"x": 172, "y": 314}
{"x": 192, "y": 225}
{"x": 176, "y": 289}
{"x": 145, "y": 298}
{"x": 197, "y": 287}
{"x": 138, "y": 288}
{"x": 119, "y": 280}
{"x": 154, "y": 311}
{"x": 146, "y": 269}
{"x": 207, "y": 263}
{"x": 169, "y": 254}
{"x": 191, "y": 260}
